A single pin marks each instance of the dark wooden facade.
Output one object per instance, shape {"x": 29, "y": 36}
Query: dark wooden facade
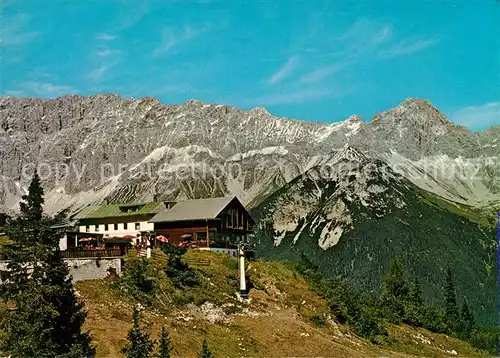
{"x": 232, "y": 224}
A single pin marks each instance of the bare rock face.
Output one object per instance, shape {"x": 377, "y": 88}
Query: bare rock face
{"x": 418, "y": 130}
{"x": 104, "y": 146}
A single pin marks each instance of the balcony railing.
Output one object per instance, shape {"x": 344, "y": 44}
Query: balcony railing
{"x": 77, "y": 254}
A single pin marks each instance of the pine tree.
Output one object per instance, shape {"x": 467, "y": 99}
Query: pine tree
{"x": 165, "y": 345}
{"x": 32, "y": 204}
{"x": 450, "y": 297}
{"x": 139, "y": 344}
{"x": 416, "y": 293}
{"x": 414, "y": 308}
{"x": 71, "y": 313}
{"x": 395, "y": 291}
{"x": 47, "y": 318}
{"x": 467, "y": 321}
{"x": 205, "y": 351}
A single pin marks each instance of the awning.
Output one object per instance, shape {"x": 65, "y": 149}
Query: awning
{"x": 129, "y": 237}
{"x": 161, "y": 238}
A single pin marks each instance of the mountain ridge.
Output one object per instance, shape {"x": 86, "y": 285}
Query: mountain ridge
{"x": 135, "y": 132}
{"x": 257, "y": 109}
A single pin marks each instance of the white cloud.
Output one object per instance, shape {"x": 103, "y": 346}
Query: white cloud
{"x": 43, "y": 89}
{"x": 478, "y": 117}
{"x": 295, "y": 97}
{"x": 356, "y": 42}
{"x": 171, "y": 38}
{"x": 15, "y": 32}
{"x": 98, "y": 73}
{"x": 15, "y": 93}
{"x": 322, "y": 72}
{"x": 284, "y": 71}
{"x": 409, "y": 46}
{"x": 365, "y": 34}
{"x": 107, "y": 52}
{"x": 136, "y": 10}
{"x": 366, "y": 39}
{"x": 103, "y": 60}
{"x": 103, "y": 36}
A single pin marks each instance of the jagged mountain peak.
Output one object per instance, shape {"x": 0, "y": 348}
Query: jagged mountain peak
{"x": 261, "y": 111}
{"x": 355, "y": 118}
{"x": 193, "y": 102}
{"x": 412, "y": 110}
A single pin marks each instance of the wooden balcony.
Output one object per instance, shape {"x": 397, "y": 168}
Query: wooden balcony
{"x": 83, "y": 254}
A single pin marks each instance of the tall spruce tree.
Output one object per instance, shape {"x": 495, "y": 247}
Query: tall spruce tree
{"x": 467, "y": 321}
{"x": 139, "y": 343}
{"x": 450, "y": 298}
{"x": 205, "y": 351}
{"x": 414, "y": 307}
{"x": 165, "y": 344}
{"x": 395, "y": 292}
{"x": 47, "y": 319}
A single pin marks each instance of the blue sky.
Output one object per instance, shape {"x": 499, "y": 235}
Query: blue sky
{"x": 313, "y": 60}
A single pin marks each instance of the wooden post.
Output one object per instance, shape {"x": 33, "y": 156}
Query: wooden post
{"x": 208, "y": 238}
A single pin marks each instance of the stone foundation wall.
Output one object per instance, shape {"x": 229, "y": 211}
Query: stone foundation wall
{"x": 87, "y": 268}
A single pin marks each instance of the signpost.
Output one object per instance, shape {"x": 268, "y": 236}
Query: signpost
{"x": 243, "y": 284}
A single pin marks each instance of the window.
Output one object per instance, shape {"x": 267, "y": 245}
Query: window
{"x": 201, "y": 235}
{"x": 125, "y": 226}
{"x": 137, "y": 226}
{"x": 87, "y": 228}
{"x": 115, "y": 227}
{"x": 97, "y": 228}
{"x": 130, "y": 208}
{"x": 106, "y": 227}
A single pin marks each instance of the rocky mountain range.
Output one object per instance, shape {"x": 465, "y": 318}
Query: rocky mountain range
{"x": 104, "y": 146}
{"x": 350, "y": 195}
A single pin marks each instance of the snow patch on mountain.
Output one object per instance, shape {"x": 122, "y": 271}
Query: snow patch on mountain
{"x": 348, "y": 127}
{"x": 278, "y": 150}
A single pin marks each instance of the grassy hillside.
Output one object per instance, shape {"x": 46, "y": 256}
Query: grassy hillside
{"x": 282, "y": 317}
{"x": 486, "y": 216}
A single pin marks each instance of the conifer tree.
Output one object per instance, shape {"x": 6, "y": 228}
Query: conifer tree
{"x": 165, "y": 344}
{"x": 467, "y": 321}
{"x": 414, "y": 308}
{"x": 395, "y": 291}
{"x": 450, "y": 297}
{"x": 416, "y": 293}
{"x": 139, "y": 343}
{"x": 205, "y": 351}
{"x": 47, "y": 318}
